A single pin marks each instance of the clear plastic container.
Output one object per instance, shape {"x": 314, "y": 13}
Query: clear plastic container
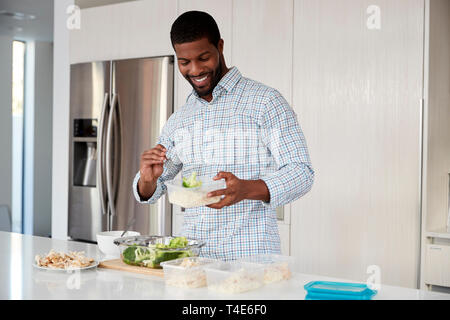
{"x": 327, "y": 290}
{"x": 276, "y": 267}
{"x": 186, "y": 272}
{"x": 194, "y": 197}
{"x": 146, "y": 251}
{"x": 234, "y": 277}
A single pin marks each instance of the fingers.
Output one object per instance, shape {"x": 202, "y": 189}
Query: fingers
{"x": 218, "y": 193}
{"x": 219, "y": 205}
{"x": 160, "y": 147}
{"x": 223, "y": 175}
{"x": 150, "y": 163}
{"x": 154, "y": 157}
{"x": 157, "y": 153}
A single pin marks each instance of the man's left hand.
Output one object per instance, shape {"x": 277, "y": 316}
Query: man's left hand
{"x": 236, "y": 190}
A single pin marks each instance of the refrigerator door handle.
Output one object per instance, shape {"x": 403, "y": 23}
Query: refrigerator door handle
{"x": 113, "y": 151}
{"x": 101, "y": 155}
{"x": 117, "y": 149}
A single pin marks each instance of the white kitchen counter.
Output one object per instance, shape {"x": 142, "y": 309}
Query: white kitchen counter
{"x": 20, "y": 280}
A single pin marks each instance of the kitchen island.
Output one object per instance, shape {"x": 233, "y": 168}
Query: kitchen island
{"x": 20, "y": 280}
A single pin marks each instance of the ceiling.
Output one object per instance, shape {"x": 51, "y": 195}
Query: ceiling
{"x": 40, "y": 28}
{"x": 97, "y": 3}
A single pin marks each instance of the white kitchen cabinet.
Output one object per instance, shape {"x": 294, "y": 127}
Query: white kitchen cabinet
{"x": 438, "y": 265}
{"x": 262, "y": 42}
{"x": 436, "y": 180}
{"x": 122, "y": 31}
{"x": 357, "y": 91}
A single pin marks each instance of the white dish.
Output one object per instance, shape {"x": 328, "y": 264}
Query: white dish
{"x": 93, "y": 265}
{"x": 105, "y": 242}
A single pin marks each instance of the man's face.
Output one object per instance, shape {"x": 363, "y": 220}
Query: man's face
{"x": 199, "y": 63}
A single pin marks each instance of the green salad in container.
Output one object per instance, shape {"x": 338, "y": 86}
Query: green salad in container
{"x": 150, "y": 251}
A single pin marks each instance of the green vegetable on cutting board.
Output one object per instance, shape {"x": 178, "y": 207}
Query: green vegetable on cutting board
{"x": 192, "y": 181}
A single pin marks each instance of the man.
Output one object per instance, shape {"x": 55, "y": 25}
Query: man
{"x": 230, "y": 128}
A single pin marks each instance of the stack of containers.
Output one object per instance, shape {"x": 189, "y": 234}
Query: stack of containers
{"x": 230, "y": 277}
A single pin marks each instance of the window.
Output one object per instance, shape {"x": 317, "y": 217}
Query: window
{"x": 18, "y": 75}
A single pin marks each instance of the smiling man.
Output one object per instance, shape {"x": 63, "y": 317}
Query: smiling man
{"x": 230, "y": 128}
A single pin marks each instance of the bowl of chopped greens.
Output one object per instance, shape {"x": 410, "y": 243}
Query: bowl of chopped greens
{"x": 150, "y": 251}
{"x": 192, "y": 191}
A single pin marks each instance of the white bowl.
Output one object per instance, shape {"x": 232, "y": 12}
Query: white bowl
{"x": 105, "y": 241}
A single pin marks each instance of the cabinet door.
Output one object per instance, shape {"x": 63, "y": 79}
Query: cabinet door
{"x": 262, "y": 42}
{"x": 221, "y": 12}
{"x": 437, "y": 265}
{"x": 357, "y": 92}
{"x": 134, "y": 29}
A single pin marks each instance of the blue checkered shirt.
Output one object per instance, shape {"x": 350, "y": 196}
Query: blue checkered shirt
{"x": 247, "y": 129}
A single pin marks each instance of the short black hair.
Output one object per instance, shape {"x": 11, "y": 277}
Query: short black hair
{"x": 194, "y": 25}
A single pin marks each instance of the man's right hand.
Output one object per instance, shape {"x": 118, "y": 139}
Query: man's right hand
{"x": 151, "y": 168}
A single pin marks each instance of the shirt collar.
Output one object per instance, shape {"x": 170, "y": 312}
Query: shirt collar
{"x": 229, "y": 80}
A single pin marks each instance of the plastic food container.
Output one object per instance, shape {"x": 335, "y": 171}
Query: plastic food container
{"x": 186, "y": 272}
{"x": 234, "y": 277}
{"x": 276, "y": 267}
{"x": 194, "y": 197}
{"x": 147, "y": 251}
{"x": 326, "y": 290}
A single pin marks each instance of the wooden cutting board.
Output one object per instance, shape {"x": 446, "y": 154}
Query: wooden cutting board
{"x": 118, "y": 264}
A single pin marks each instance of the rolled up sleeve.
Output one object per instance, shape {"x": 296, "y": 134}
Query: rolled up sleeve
{"x": 293, "y": 175}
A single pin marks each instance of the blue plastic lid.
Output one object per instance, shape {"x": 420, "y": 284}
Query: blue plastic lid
{"x": 338, "y": 291}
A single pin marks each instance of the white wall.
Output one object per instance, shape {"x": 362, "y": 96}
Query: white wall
{"x": 5, "y": 120}
{"x": 43, "y": 102}
{"x": 60, "y": 121}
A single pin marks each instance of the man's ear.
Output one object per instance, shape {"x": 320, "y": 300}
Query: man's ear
{"x": 220, "y": 46}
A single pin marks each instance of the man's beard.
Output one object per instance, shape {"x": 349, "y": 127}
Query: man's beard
{"x": 216, "y": 76}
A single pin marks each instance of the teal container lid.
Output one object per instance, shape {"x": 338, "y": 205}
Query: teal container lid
{"x": 327, "y": 290}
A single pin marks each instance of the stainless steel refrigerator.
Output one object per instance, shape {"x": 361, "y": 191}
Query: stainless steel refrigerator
{"x": 117, "y": 110}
